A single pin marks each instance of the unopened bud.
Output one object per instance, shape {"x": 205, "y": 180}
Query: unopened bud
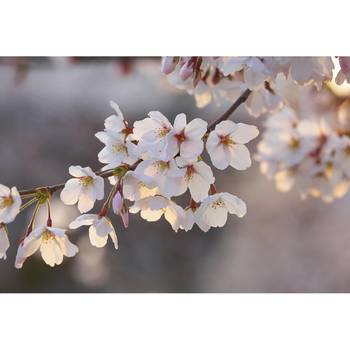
{"x": 168, "y": 64}
{"x": 117, "y": 203}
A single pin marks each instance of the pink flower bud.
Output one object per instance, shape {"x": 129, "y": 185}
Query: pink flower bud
{"x": 186, "y": 70}
{"x": 124, "y": 214}
{"x": 117, "y": 203}
{"x": 168, "y": 64}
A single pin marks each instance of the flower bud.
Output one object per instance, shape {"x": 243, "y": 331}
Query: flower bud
{"x": 124, "y": 214}
{"x": 118, "y": 202}
{"x": 168, "y": 64}
{"x": 186, "y": 70}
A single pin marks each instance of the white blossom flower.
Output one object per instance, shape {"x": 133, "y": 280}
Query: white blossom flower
{"x": 10, "y": 204}
{"x": 152, "y": 209}
{"x": 53, "y": 244}
{"x": 225, "y": 145}
{"x": 164, "y": 174}
{"x": 99, "y": 230}
{"x": 116, "y": 123}
{"x": 117, "y": 150}
{"x": 151, "y": 135}
{"x": 4, "y": 241}
{"x": 198, "y": 177}
{"x": 85, "y": 188}
{"x": 134, "y": 189}
{"x": 186, "y": 139}
{"x": 214, "y": 209}
{"x": 160, "y": 140}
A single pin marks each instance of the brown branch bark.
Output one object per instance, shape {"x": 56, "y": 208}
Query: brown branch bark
{"x": 241, "y": 99}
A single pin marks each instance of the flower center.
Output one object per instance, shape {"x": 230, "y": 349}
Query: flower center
{"x": 162, "y": 132}
{"x": 6, "y": 202}
{"x": 181, "y": 137}
{"x": 294, "y": 144}
{"x": 162, "y": 165}
{"x": 218, "y": 204}
{"x": 226, "y": 140}
{"x": 86, "y": 180}
{"x": 47, "y": 236}
{"x": 189, "y": 173}
{"x": 119, "y": 148}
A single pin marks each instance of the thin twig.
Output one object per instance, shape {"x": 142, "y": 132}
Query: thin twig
{"x": 241, "y": 99}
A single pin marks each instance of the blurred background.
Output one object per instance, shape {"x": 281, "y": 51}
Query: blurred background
{"x": 50, "y": 109}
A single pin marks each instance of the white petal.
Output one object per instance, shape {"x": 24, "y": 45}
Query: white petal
{"x": 51, "y": 253}
{"x": 96, "y": 240}
{"x": 83, "y": 220}
{"x": 179, "y": 123}
{"x": 234, "y": 204}
{"x": 239, "y": 157}
{"x": 244, "y": 133}
{"x": 71, "y": 191}
{"x": 76, "y": 171}
{"x": 4, "y": 243}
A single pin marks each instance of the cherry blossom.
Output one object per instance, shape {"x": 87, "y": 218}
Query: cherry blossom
{"x": 214, "y": 209}
{"x": 85, "y": 188}
{"x": 99, "y": 230}
{"x": 226, "y": 145}
{"x": 53, "y": 244}
{"x": 160, "y": 140}
{"x": 166, "y": 175}
{"x": 198, "y": 177}
{"x": 4, "y": 241}
{"x": 10, "y": 203}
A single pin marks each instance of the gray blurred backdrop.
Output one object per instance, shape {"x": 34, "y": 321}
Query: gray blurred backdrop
{"x": 49, "y": 112}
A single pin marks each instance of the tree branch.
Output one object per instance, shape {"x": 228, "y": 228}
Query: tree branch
{"x": 53, "y": 188}
{"x": 241, "y": 99}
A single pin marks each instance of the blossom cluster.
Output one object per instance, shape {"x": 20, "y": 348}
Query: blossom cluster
{"x": 148, "y": 165}
{"x": 311, "y": 154}
{"x": 209, "y": 78}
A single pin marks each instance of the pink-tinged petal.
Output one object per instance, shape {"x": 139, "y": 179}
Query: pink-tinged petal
{"x": 204, "y": 171}
{"x": 117, "y": 203}
{"x": 160, "y": 118}
{"x": 212, "y": 141}
{"x": 114, "y": 123}
{"x": 124, "y": 214}
{"x": 103, "y": 227}
{"x": 244, "y": 133}
{"x": 168, "y": 64}
{"x": 117, "y": 109}
{"x": 220, "y": 157}
{"x": 191, "y": 148}
{"x": 71, "y": 191}
{"x": 226, "y": 127}
{"x": 239, "y": 157}
{"x": 180, "y": 123}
